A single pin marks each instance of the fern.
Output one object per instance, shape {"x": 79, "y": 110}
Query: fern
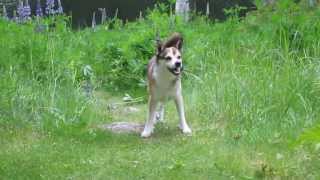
{"x": 311, "y": 136}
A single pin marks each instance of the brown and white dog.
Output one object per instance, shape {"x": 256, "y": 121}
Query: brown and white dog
{"x": 164, "y": 80}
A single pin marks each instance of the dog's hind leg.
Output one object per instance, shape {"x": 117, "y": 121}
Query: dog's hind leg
{"x": 148, "y": 128}
{"x": 180, "y": 108}
{"x": 160, "y": 113}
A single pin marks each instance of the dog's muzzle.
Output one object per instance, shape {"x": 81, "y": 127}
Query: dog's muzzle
{"x": 176, "y": 70}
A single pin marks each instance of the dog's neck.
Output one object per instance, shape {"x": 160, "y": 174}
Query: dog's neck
{"x": 163, "y": 76}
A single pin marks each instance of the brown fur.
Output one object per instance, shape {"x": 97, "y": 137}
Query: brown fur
{"x": 175, "y": 40}
{"x": 151, "y": 81}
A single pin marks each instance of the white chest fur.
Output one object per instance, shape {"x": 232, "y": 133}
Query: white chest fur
{"x": 166, "y": 84}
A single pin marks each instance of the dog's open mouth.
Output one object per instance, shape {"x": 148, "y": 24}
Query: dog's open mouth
{"x": 176, "y": 71}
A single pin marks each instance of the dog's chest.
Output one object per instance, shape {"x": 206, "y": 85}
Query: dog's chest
{"x": 165, "y": 86}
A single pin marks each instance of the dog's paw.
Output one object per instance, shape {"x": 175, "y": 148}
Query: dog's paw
{"x": 146, "y": 134}
{"x": 186, "y": 130}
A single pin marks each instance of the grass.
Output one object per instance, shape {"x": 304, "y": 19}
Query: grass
{"x": 251, "y": 90}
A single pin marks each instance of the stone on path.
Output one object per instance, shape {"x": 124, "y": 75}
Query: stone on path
{"x": 130, "y": 110}
{"x": 124, "y": 127}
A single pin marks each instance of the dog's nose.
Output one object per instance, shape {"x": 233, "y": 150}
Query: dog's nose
{"x": 178, "y": 64}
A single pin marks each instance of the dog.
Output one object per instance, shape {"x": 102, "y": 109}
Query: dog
{"x": 164, "y": 83}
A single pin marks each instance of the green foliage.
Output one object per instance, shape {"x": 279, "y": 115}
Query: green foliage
{"x": 312, "y": 135}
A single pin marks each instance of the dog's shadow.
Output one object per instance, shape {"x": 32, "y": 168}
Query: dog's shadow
{"x": 162, "y": 131}
{"x": 166, "y": 131}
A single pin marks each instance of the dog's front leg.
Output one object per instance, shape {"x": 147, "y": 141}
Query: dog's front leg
{"x": 160, "y": 113}
{"x": 180, "y": 108}
{"x": 148, "y": 128}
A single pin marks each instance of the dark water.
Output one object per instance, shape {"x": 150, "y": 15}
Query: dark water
{"x": 129, "y": 9}
{"x": 217, "y": 7}
{"x": 82, "y": 10}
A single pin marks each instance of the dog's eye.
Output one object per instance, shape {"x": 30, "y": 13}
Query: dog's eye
{"x": 168, "y": 58}
{"x": 179, "y": 57}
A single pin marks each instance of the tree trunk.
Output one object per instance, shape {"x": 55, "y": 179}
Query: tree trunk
{"x": 312, "y": 3}
{"x": 10, "y": 5}
{"x": 269, "y": 2}
{"x": 182, "y": 9}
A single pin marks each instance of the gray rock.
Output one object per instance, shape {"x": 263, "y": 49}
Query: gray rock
{"x": 130, "y": 109}
{"x": 123, "y": 127}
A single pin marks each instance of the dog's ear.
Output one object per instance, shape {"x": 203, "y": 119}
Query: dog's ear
{"x": 159, "y": 48}
{"x": 175, "y": 40}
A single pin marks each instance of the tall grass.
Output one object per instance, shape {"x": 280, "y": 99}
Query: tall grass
{"x": 260, "y": 71}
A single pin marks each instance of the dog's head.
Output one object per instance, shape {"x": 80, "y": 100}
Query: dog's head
{"x": 169, "y": 54}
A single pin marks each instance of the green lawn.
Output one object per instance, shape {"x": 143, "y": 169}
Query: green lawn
{"x": 87, "y": 152}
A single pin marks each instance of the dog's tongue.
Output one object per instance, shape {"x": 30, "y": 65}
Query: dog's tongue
{"x": 177, "y": 70}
